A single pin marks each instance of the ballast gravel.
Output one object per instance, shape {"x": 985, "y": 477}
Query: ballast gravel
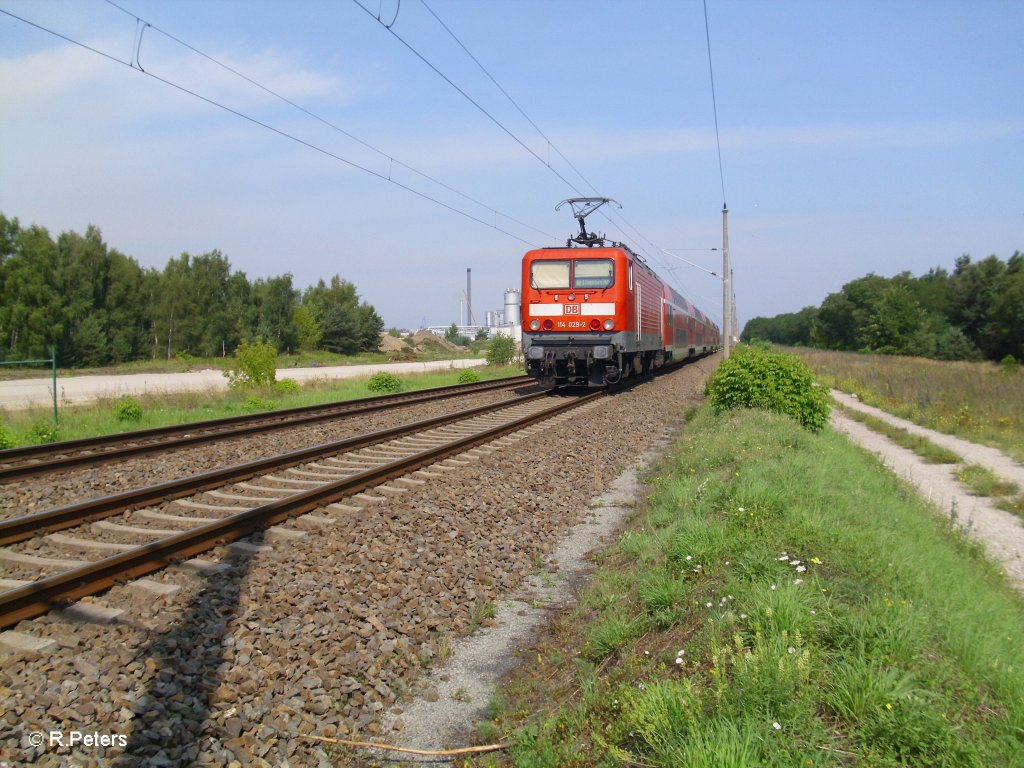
{"x": 322, "y": 631}
{"x": 38, "y": 494}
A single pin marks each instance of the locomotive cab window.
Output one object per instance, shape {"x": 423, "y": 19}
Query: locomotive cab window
{"x": 549, "y": 274}
{"x": 593, "y": 273}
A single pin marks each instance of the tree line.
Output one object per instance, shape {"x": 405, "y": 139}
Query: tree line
{"x": 977, "y": 312}
{"x": 97, "y": 306}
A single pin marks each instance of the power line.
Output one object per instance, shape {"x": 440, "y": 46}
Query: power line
{"x": 317, "y": 117}
{"x": 466, "y": 96}
{"x": 522, "y": 112}
{"x": 714, "y": 101}
{"x": 260, "y": 123}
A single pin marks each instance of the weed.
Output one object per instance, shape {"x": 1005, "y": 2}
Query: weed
{"x": 932, "y": 393}
{"x": 384, "y": 383}
{"x": 984, "y": 482}
{"x": 43, "y": 431}
{"x": 128, "y": 409}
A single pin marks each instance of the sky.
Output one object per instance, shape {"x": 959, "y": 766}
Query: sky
{"x": 314, "y": 138}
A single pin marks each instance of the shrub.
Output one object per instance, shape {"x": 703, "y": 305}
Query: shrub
{"x": 756, "y": 377}
{"x": 384, "y": 382}
{"x": 253, "y": 404}
{"x": 5, "y": 439}
{"x": 501, "y": 351}
{"x": 255, "y": 365}
{"x": 1009, "y": 365}
{"x": 43, "y": 432}
{"x": 128, "y": 409}
{"x": 468, "y": 376}
{"x": 287, "y": 386}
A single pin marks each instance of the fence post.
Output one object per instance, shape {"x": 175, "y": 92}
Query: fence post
{"x": 53, "y": 368}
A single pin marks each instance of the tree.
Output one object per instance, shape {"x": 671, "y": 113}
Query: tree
{"x": 973, "y": 292}
{"x": 308, "y": 329}
{"x": 1005, "y": 329}
{"x": 31, "y": 315}
{"x": 347, "y": 325}
{"x": 275, "y": 299}
{"x": 501, "y": 350}
{"x": 453, "y": 336}
{"x": 893, "y": 319}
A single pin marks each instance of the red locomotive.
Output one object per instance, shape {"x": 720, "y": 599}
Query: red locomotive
{"x": 595, "y": 313}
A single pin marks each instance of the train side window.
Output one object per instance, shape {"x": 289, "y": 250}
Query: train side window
{"x": 549, "y": 274}
{"x": 631, "y": 277}
{"x": 593, "y": 273}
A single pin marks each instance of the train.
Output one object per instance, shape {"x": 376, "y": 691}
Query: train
{"x": 594, "y": 313}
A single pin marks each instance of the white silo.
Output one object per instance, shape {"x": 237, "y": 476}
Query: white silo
{"x": 512, "y": 316}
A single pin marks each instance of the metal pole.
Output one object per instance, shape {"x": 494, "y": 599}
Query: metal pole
{"x": 726, "y": 313}
{"x": 53, "y": 368}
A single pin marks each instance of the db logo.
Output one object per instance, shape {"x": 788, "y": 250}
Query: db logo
{"x": 572, "y": 309}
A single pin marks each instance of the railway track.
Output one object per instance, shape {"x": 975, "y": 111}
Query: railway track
{"x": 28, "y": 461}
{"x": 185, "y": 517}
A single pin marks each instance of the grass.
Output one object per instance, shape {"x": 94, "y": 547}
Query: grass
{"x": 984, "y": 482}
{"x": 35, "y": 425}
{"x": 785, "y": 601}
{"x": 980, "y": 480}
{"x": 977, "y": 401}
{"x": 922, "y": 446}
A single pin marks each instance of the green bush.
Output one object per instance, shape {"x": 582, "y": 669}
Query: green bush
{"x": 255, "y": 365}
{"x": 253, "y": 404}
{"x": 501, "y": 351}
{"x": 756, "y": 377}
{"x": 1009, "y": 365}
{"x": 468, "y": 376}
{"x": 287, "y": 386}
{"x": 5, "y": 439}
{"x": 384, "y": 383}
{"x": 128, "y": 409}
{"x": 43, "y": 431}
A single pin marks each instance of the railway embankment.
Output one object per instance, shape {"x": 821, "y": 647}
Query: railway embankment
{"x": 783, "y": 599}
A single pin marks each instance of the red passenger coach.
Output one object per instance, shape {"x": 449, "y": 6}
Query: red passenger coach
{"x": 594, "y": 313}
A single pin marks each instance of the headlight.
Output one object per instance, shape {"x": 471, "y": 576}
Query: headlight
{"x": 609, "y": 324}
{"x": 535, "y": 325}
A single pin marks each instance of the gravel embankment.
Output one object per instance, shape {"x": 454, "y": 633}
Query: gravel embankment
{"x": 323, "y": 633}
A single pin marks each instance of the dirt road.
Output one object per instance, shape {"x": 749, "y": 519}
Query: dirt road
{"x": 1000, "y": 531}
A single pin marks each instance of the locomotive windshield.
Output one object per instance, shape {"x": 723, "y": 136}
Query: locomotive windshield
{"x": 549, "y": 274}
{"x": 592, "y": 273}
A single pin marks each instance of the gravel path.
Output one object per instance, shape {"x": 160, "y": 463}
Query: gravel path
{"x": 77, "y": 390}
{"x": 1000, "y": 531}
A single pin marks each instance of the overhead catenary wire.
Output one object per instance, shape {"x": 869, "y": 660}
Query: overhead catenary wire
{"x": 131, "y": 64}
{"x": 714, "y": 102}
{"x": 657, "y": 251}
{"x": 142, "y": 24}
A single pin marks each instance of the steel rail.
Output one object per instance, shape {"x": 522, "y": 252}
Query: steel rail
{"x": 26, "y": 526}
{"x": 230, "y": 427}
{"x": 41, "y": 596}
